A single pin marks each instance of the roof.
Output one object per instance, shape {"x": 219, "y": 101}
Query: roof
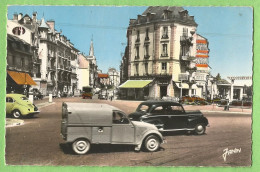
{"x": 222, "y": 81}
{"x": 43, "y": 24}
{"x": 135, "y": 83}
{"x": 158, "y": 102}
{"x": 103, "y": 75}
{"x": 174, "y": 15}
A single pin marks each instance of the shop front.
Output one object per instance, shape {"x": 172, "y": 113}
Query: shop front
{"x": 18, "y": 82}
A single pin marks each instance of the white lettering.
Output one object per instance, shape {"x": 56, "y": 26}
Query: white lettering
{"x": 230, "y": 152}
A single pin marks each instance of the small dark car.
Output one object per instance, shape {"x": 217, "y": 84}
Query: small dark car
{"x": 170, "y": 116}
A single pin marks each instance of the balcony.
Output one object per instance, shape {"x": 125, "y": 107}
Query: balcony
{"x": 146, "y": 56}
{"x": 187, "y": 58}
{"x": 146, "y": 39}
{"x": 185, "y": 40}
{"x": 164, "y": 55}
{"x": 165, "y": 36}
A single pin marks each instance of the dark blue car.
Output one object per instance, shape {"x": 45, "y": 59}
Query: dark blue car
{"x": 170, "y": 116}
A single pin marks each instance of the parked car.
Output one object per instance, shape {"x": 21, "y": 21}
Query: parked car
{"x": 19, "y": 106}
{"x": 170, "y": 116}
{"x": 37, "y": 94}
{"x": 103, "y": 95}
{"x": 84, "y": 124}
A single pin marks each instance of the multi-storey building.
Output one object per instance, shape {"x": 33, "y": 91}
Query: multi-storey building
{"x": 59, "y": 57}
{"x": 22, "y": 53}
{"x": 54, "y": 57}
{"x": 161, "y": 54}
{"x": 114, "y": 77}
{"x": 83, "y": 71}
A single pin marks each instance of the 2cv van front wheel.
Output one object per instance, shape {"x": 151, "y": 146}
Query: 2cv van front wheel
{"x": 152, "y": 143}
{"x": 81, "y": 146}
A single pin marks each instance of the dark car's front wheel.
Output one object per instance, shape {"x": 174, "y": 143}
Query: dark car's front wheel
{"x": 152, "y": 143}
{"x": 200, "y": 129}
{"x": 81, "y": 146}
{"x": 16, "y": 114}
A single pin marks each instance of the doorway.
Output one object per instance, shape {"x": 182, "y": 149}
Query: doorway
{"x": 163, "y": 91}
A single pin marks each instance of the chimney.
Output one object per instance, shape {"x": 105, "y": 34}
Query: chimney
{"x": 20, "y": 16}
{"x": 15, "y": 17}
{"x": 51, "y": 24}
{"x": 34, "y": 17}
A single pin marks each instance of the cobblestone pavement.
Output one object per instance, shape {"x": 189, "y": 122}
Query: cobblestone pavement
{"x": 38, "y": 141}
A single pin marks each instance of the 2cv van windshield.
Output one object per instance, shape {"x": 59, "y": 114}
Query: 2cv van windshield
{"x": 119, "y": 118}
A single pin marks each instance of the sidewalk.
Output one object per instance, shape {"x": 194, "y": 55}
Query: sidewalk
{"x": 214, "y": 108}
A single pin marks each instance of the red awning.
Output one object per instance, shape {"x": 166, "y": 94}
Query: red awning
{"x": 21, "y": 78}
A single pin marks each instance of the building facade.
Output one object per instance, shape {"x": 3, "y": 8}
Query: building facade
{"x": 83, "y": 71}
{"x": 23, "y": 63}
{"x": 114, "y": 77}
{"x": 162, "y": 48}
{"x": 54, "y": 57}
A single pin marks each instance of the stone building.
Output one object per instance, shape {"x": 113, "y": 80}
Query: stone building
{"x": 23, "y": 64}
{"x": 54, "y": 57}
{"x": 162, "y": 50}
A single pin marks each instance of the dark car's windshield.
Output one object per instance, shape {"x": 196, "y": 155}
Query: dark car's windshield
{"x": 143, "y": 108}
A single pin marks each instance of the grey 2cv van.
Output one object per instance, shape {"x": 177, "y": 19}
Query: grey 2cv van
{"x": 84, "y": 124}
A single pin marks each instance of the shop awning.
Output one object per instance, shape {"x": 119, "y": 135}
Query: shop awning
{"x": 21, "y": 78}
{"x": 186, "y": 86}
{"x": 135, "y": 83}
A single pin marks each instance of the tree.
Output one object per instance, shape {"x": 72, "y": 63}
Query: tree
{"x": 218, "y": 77}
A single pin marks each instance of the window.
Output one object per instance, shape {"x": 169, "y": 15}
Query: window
{"x": 146, "y": 68}
{"x": 147, "y": 34}
{"x": 22, "y": 62}
{"x": 138, "y": 36}
{"x": 177, "y": 109}
{"x": 164, "y": 66}
{"x": 143, "y": 108}
{"x": 136, "y": 69}
{"x": 185, "y": 32}
{"x": 24, "y": 98}
{"x": 119, "y": 118}
{"x": 137, "y": 52}
{"x": 146, "y": 51}
{"x": 164, "y": 50}
{"x": 9, "y": 100}
{"x": 165, "y": 33}
{"x": 158, "y": 110}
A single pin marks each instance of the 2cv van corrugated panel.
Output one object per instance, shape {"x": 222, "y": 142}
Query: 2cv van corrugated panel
{"x": 89, "y": 114}
{"x": 84, "y": 120}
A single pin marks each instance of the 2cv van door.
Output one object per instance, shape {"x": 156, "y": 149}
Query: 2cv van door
{"x": 123, "y": 130}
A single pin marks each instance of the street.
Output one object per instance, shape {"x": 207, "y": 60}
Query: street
{"x": 38, "y": 142}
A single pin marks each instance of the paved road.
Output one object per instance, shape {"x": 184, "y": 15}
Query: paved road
{"x": 38, "y": 142}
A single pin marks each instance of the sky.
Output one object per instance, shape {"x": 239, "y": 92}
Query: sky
{"x": 228, "y": 30}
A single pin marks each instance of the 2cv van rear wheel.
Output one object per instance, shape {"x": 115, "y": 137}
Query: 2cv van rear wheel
{"x": 81, "y": 146}
{"x": 152, "y": 143}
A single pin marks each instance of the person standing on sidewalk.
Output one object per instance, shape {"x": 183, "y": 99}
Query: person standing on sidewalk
{"x": 227, "y": 105}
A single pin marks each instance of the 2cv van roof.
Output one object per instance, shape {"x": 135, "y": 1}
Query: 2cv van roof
{"x": 90, "y": 114}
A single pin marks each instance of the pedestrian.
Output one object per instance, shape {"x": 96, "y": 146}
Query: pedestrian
{"x": 111, "y": 98}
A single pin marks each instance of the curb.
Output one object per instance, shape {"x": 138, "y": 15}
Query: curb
{"x": 209, "y": 111}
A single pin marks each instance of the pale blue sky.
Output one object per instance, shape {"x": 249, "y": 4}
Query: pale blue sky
{"x": 228, "y": 30}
